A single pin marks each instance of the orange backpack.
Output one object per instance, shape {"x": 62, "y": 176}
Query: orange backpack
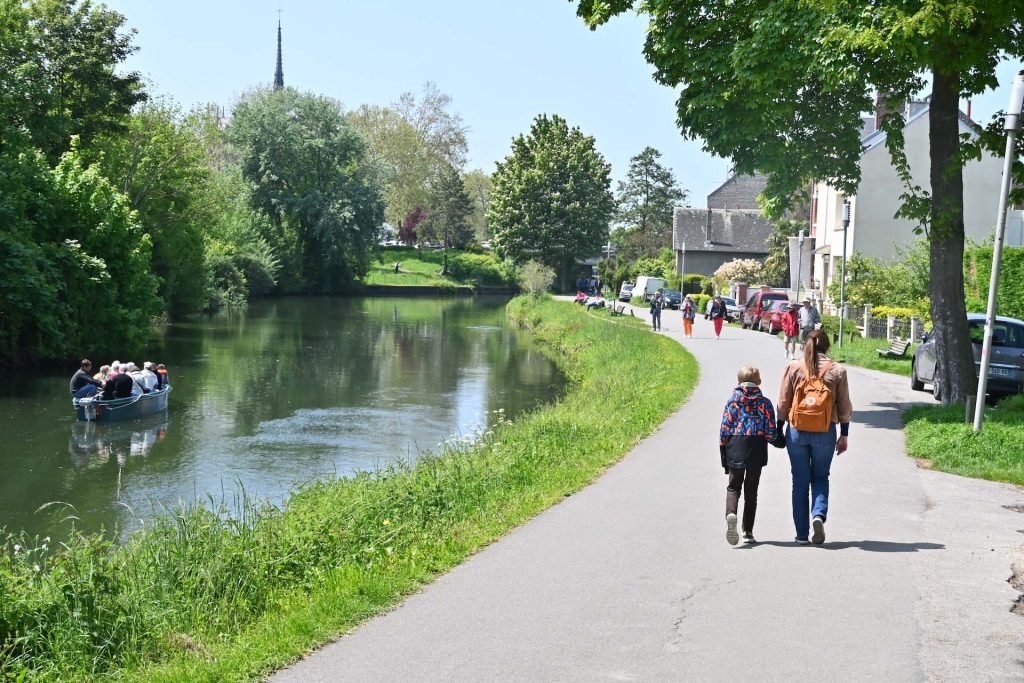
{"x": 812, "y": 404}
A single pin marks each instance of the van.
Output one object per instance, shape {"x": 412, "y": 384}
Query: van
{"x": 757, "y": 304}
{"x": 646, "y": 286}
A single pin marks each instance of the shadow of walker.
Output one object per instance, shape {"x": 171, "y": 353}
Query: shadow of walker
{"x": 865, "y": 545}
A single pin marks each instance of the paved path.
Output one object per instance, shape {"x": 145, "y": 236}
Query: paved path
{"x": 632, "y": 579}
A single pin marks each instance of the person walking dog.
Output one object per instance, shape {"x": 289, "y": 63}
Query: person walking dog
{"x": 748, "y": 426}
{"x": 657, "y": 303}
{"x": 689, "y": 308}
{"x": 815, "y": 398}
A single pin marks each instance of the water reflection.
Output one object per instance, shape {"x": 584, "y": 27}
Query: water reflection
{"x": 280, "y": 392}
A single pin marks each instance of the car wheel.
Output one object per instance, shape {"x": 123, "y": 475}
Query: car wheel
{"x": 937, "y": 389}
{"x": 915, "y": 383}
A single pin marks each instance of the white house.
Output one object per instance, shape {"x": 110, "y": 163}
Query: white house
{"x": 873, "y": 229}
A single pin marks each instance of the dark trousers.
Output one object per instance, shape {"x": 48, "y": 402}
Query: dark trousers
{"x": 747, "y": 481}
{"x": 656, "y": 318}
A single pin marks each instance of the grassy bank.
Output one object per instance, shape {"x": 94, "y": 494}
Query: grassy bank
{"x": 202, "y": 597}
{"x": 422, "y": 267}
{"x": 862, "y": 352}
{"x": 938, "y": 434}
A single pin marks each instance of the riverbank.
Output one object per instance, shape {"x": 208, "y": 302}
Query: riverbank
{"x": 198, "y": 596}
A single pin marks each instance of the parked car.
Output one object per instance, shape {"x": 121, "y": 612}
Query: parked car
{"x": 646, "y": 286}
{"x": 771, "y": 316}
{"x": 673, "y": 299}
{"x": 759, "y": 302}
{"x": 732, "y": 311}
{"x": 1005, "y": 369}
{"x": 626, "y": 291}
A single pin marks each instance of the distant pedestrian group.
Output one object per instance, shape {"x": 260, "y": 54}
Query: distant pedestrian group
{"x": 814, "y": 399}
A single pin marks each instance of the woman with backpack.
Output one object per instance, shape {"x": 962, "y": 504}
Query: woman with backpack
{"x": 814, "y": 398}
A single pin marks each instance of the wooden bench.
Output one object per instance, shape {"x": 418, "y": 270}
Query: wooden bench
{"x": 897, "y": 349}
{"x": 614, "y": 308}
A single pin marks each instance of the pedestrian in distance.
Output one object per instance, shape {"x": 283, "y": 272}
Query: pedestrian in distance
{"x": 809, "y": 320}
{"x": 748, "y": 426}
{"x": 657, "y": 303}
{"x": 717, "y": 313}
{"x": 689, "y": 309}
{"x": 790, "y": 330}
{"x": 815, "y": 398}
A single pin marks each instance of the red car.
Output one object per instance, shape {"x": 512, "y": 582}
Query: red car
{"x": 771, "y": 317}
{"x": 760, "y": 305}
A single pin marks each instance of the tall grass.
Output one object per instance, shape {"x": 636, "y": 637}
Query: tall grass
{"x": 939, "y": 435}
{"x": 204, "y": 595}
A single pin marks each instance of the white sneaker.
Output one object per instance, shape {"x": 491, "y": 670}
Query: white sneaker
{"x": 817, "y": 531}
{"x": 730, "y": 529}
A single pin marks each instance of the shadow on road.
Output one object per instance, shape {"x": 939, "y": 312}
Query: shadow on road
{"x": 882, "y": 416}
{"x": 869, "y": 546}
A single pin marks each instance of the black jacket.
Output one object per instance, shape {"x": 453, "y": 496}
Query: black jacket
{"x": 119, "y": 386}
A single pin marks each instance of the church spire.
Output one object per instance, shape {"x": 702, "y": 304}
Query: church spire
{"x": 279, "y": 72}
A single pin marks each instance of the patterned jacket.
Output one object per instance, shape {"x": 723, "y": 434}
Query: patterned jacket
{"x": 748, "y": 424}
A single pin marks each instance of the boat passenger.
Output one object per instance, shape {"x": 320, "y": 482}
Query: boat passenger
{"x": 132, "y": 370}
{"x": 148, "y": 377}
{"x": 115, "y": 368}
{"x": 82, "y": 383}
{"x": 161, "y": 376}
{"x": 103, "y": 375}
{"x": 118, "y": 386}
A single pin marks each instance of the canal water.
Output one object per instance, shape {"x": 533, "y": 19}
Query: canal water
{"x": 278, "y": 393}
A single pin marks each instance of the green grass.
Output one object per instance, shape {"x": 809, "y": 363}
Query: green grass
{"x": 860, "y": 351}
{"x": 200, "y": 596}
{"x": 939, "y": 435}
{"x": 422, "y": 267}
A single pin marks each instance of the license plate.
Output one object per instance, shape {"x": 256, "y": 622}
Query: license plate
{"x": 998, "y": 372}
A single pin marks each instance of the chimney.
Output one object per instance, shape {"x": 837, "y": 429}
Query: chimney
{"x": 707, "y": 228}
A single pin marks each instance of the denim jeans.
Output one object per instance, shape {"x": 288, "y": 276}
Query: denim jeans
{"x": 656, "y": 318}
{"x": 810, "y": 457}
{"x": 87, "y": 390}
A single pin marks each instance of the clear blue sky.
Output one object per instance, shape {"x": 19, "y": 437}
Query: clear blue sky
{"x": 502, "y": 62}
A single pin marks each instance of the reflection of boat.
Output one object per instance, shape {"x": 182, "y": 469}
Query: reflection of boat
{"x": 93, "y": 445}
{"x": 94, "y": 409}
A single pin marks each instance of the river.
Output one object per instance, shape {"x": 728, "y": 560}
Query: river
{"x": 280, "y": 392}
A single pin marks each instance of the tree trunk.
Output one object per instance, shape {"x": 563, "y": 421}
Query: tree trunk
{"x": 955, "y": 367}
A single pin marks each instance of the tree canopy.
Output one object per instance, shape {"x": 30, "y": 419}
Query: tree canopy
{"x": 646, "y": 200}
{"x": 551, "y": 199}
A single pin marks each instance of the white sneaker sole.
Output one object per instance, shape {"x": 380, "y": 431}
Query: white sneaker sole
{"x": 731, "y": 534}
{"x": 818, "y": 533}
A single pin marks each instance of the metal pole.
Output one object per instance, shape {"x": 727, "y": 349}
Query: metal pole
{"x": 799, "y": 261}
{"x": 1012, "y": 125}
{"x": 842, "y": 276}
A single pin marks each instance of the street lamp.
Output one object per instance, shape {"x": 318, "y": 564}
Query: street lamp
{"x": 842, "y": 271}
{"x": 799, "y": 261}
{"x": 1012, "y": 125}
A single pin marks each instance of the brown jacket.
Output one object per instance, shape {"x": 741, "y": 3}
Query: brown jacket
{"x": 834, "y": 378}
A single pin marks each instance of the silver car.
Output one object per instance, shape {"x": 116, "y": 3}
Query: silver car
{"x": 1005, "y": 369}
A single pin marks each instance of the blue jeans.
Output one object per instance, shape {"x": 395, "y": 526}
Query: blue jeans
{"x": 656, "y": 318}
{"x": 810, "y": 457}
{"x": 87, "y": 390}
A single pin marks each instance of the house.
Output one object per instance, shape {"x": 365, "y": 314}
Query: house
{"x": 732, "y": 227}
{"x": 874, "y": 231}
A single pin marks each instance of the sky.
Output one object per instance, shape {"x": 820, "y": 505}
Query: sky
{"x": 503, "y": 63}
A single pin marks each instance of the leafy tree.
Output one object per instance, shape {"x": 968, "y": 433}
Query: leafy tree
{"x": 450, "y": 209}
{"x": 160, "y": 163}
{"x": 536, "y": 278}
{"x": 778, "y": 86}
{"x": 551, "y": 199}
{"x": 307, "y": 168}
{"x": 59, "y": 74}
{"x": 776, "y": 266}
{"x": 646, "y": 200}
{"x": 408, "y": 233}
{"x": 478, "y": 185}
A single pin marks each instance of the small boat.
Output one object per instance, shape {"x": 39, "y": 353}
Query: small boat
{"x": 95, "y": 409}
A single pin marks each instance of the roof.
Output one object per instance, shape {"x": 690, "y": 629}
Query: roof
{"x": 920, "y": 111}
{"x": 720, "y": 230}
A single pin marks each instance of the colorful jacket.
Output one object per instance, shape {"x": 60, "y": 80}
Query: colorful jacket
{"x": 748, "y": 424}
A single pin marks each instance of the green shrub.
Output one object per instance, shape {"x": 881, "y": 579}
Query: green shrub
{"x": 702, "y": 301}
{"x": 485, "y": 269}
{"x": 693, "y": 283}
{"x": 978, "y": 270}
{"x": 898, "y": 311}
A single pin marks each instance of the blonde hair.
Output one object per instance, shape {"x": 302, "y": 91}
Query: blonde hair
{"x": 748, "y": 373}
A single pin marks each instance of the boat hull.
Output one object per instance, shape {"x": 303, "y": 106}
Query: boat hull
{"x": 121, "y": 409}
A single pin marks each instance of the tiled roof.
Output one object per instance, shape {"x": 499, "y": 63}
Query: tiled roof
{"x": 720, "y": 230}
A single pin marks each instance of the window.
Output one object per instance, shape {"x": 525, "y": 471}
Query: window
{"x": 1003, "y": 334}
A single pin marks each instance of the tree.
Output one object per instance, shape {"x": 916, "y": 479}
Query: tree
{"x": 776, "y": 266}
{"x": 551, "y": 199}
{"x": 407, "y": 233}
{"x": 450, "y": 209}
{"x": 778, "y": 86}
{"x": 59, "y": 72}
{"x": 308, "y": 173}
{"x": 536, "y": 278}
{"x": 646, "y": 200}
{"x": 478, "y": 185}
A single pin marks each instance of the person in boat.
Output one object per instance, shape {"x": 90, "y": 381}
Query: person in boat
{"x": 132, "y": 370}
{"x": 147, "y": 378}
{"x": 103, "y": 375}
{"x": 82, "y": 383}
{"x": 118, "y": 386}
{"x": 115, "y": 368}
{"x": 161, "y": 376}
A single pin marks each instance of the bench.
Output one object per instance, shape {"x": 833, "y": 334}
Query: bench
{"x": 614, "y": 308}
{"x": 897, "y": 349}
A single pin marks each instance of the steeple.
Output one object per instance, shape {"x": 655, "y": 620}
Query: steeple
{"x": 279, "y": 72}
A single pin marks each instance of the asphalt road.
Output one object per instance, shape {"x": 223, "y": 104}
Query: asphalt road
{"x": 632, "y": 579}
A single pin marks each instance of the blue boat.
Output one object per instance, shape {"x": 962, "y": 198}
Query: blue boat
{"x": 95, "y": 409}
